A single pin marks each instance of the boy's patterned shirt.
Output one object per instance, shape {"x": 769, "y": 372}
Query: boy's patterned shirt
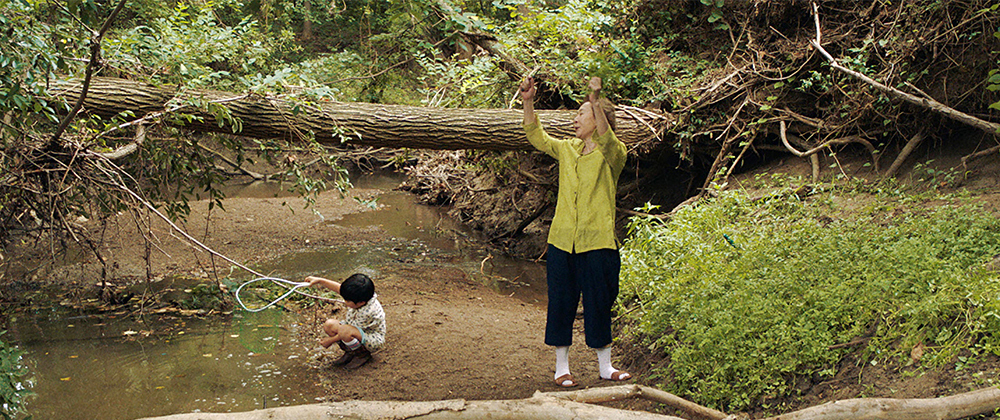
{"x": 370, "y": 319}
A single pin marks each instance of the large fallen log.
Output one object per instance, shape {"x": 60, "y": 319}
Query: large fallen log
{"x": 953, "y": 407}
{"x": 538, "y": 407}
{"x": 396, "y": 126}
{"x": 580, "y": 405}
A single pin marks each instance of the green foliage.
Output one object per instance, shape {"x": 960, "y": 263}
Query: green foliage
{"x": 192, "y": 46}
{"x": 28, "y": 59}
{"x": 743, "y": 295}
{"x": 205, "y": 296}
{"x": 925, "y": 172}
{"x": 469, "y": 83}
{"x": 993, "y": 83}
{"x": 13, "y": 388}
{"x": 565, "y": 42}
{"x": 716, "y": 16}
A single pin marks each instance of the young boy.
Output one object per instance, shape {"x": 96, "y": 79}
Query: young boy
{"x": 363, "y": 328}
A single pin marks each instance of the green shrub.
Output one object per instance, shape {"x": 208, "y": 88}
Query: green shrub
{"x": 744, "y": 295}
{"x": 13, "y": 388}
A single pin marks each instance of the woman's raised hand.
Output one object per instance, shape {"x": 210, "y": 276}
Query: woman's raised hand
{"x": 528, "y": 89}
{"x": 595, "y": 88}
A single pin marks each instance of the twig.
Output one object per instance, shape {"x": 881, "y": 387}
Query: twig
{"x": 628, "y": 110}
{"x": 929, "y": 103}
{"x": 905, "y": 153}
{"x": 95, "y": 56}
{"x": 721, "y": 158}
{"x": 639, "y": 213}
{"x": 247, "y": 172}
{"x": 965, "y": 159}
{"x": 128, "y": 149}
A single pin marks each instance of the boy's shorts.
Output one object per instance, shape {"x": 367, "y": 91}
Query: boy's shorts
{"x": 371, "y": 341}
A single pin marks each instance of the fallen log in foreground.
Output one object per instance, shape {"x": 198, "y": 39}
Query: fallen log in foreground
{"x": 580, "y": 405}
{"x": 953, "y": 407}
{"x": 539, "y": 407}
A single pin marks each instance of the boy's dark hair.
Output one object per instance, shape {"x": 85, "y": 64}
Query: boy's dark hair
{"x": 357, "y": 288}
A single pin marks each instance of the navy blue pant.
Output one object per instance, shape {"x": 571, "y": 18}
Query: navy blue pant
{"x": 592, "y": 274}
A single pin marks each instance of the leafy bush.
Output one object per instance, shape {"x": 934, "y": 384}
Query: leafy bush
{"x": 744, "y": 295}
{"x": 12, "y": 385}
{"x": 192, "y": 45}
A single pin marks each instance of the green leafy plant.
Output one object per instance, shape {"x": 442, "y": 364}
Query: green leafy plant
{"x": 925, "y": 172}
{"x": 993, "y": 83}
{"x": 744, "y": 295}
{"x": 13, "y": 386}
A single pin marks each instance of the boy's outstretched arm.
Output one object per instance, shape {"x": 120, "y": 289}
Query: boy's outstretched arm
{"x": 327, "y": 283}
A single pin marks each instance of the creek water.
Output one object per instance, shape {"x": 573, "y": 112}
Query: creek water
{"x": 125, "y": 367}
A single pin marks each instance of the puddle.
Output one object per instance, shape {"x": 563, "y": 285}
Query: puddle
{"x": 89, "y": 367}
{"x": 124, "y": 367}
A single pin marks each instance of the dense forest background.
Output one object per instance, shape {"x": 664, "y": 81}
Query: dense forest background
{"x": 860, "y": 89}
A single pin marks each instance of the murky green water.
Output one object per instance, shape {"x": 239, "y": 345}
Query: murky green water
{"x": 126, "y": 367}
{"x": 99, "y": 368}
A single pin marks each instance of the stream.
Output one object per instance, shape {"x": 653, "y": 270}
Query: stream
{"x": 113, "y": 366}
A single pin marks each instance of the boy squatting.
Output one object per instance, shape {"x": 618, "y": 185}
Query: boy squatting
{"x": 363, "y": 328}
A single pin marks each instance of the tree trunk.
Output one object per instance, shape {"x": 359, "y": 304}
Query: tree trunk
{"x": 334, "y": 122}
{"x": 535, "y": 408}
{"x": 969, "y": 404}
{"x": 579, "y": 405}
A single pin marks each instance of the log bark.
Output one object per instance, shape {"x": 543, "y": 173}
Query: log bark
{"x": 954, "y": 407}
{"x": 535, "y": 408}
{"x": 334, "y": 123}
{"x": 578, "y": 405}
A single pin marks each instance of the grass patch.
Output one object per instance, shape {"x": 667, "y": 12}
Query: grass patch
{"x": 743, "y": 295}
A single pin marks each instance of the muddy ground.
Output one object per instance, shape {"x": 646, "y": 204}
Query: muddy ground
{"x": 450, "y": 336}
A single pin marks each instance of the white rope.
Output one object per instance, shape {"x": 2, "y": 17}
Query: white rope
{"x": 295, "y": 285}
{"x": 151, "y": 207}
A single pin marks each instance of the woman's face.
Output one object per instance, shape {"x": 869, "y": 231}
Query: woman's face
{"x": 584, "y": 123}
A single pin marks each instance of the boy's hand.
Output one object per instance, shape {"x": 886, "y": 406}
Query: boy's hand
{"x": 312, "y": 280}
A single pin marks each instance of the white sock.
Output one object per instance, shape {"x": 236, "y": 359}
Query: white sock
{"x": 353, "y": 344}
{"x": 562, "y": 361}
{"x": 604, "y": 362}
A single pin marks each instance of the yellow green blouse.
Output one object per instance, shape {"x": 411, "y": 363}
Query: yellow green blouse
{"x": 585, "y": 207}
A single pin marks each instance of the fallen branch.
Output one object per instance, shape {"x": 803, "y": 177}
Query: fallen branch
{"x": 905, "y": 153}
{"x": 580, "y": 405}
{"x": 959, "y": 406}
{"x": 621, "y": 392}
{"x": 113, "y": 174}
{"x": 926, "y": 102}
{"x": 663, "y": 217}
{"x": 548, "y": 406}
{"x": 827, "y": 144}
{"x": 235, "y": 165}
{"x": 128, "y": 149}
{"x": 966, "y": 159}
